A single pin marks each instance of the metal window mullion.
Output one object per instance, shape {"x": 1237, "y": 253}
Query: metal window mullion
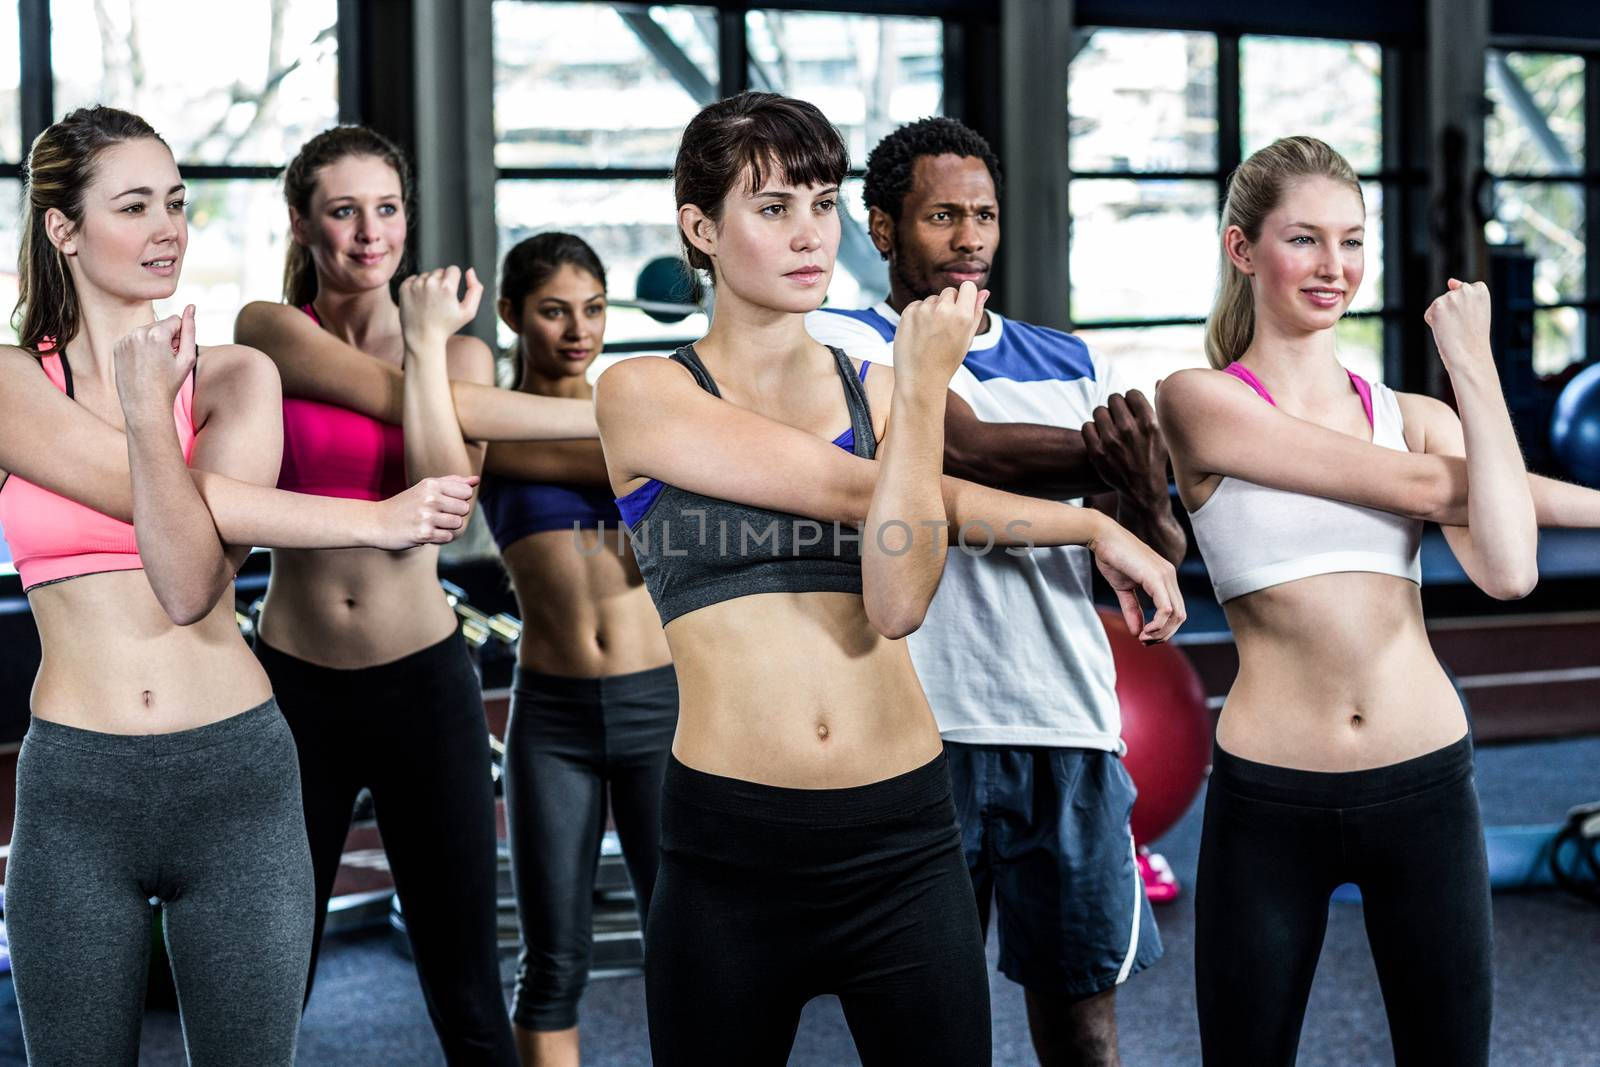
{"x": 1230, "y": 126}
{"x": 1394, "y": 221}
{"x": 37, "y": 88}
{"x": 733, "y": 51}
{"x": 348, "y": 59}
{"x": 1591, "y": 202}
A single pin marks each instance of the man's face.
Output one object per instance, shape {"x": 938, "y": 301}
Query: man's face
{"x": 949, "y": 227}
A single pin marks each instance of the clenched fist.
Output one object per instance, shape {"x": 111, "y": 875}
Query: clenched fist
{"x": 430, "y": 310}
{"x": 151, "y": 364}
{"x": 1459, "y": 319}
{"x": 934, "y": 335}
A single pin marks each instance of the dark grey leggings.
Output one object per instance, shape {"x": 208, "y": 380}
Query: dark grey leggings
{"x": 570, "y": 742}
{"x": 205, "y": 821}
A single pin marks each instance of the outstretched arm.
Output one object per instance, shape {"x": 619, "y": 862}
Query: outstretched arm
{"x": 316, "y": 365}
{"x": 58, "y": 445}
{"x": 706, "y": 445}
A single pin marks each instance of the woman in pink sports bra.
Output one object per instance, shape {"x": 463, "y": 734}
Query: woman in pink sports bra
{"x": 362, "y": 647}
{"x": 1343, "y": 752}
{"x": 136, "y": 474}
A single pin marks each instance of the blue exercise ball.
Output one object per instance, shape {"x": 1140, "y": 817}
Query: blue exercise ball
{"x": 1575, "y": 427}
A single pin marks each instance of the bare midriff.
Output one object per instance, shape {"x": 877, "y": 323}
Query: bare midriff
{"x": 113, "y": 662}
{"x": 797, "y": 690}
{"x": 585, "y": 610}
{"x": 1336, "y": 674}
{"x": 354, "y": 607}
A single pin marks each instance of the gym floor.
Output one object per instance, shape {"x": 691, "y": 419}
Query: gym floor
{"x": 367, "y": 1009}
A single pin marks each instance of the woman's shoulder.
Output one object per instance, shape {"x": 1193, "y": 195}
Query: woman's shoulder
{"x": 260, "y": 321}
{"x": 235, "y": 372}
{"x": 640, "y": 380}
{"x": 1197, "y": 391}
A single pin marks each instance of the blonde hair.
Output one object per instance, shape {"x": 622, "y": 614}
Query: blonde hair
{"x": 1254, "y": 190}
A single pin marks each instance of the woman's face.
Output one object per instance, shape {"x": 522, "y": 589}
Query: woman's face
{"x": 356, "y": 226}
{"x": 1307, "y": 265}
{"x": 133, "y": 234}
{"x": 774, "y": 247}
{"x": 562, "y": 323}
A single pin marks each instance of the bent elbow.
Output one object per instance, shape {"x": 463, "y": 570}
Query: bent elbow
{"x": 185, "y": 614}
{"x": 1514, "y": 586}
{"x": 1512, "y": 582}
{"x": 896, "y": 621}
{"x": 185, "y": 607}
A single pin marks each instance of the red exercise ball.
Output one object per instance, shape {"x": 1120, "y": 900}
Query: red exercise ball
{"x": 1165, "y": 725}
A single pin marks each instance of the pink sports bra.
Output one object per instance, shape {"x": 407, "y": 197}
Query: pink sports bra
{"x": 330, "y": 450}
{"x": 53, "y": 538}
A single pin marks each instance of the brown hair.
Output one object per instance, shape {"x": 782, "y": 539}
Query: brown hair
{"x": 529, "y": 265}
{"x": 300, "y": 181}
{"x": 1254, "y": 190}
{"x": 58, "y": 170}
{"x": 744, "y": 136}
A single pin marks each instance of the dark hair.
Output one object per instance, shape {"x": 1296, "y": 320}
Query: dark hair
{"x": 892, "y": 160}
{"x": 531, "y": 263}
{"x": 300, "y": 181}
{"x": 59, "y": 167}
{"x": 743, "y": 137}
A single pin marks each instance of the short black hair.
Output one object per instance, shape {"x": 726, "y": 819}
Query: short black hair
{"x": 892, "y": 160}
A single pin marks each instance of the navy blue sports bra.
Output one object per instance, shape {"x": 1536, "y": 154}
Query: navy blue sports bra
{"x": 516, "y": 509}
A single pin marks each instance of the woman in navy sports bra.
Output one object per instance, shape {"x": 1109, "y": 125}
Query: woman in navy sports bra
{"x": 595, "y": 699}
{"x": 137, "y": 473}
{"x": 1343, "y": 753}
{"x": 362, "y": 647}
{"x": 809, "y": 842}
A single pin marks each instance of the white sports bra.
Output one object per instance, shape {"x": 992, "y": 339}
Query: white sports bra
{"x": 1252, "y": 537}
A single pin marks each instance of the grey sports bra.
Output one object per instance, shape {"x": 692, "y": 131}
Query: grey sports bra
{"x": 695, "y": 550}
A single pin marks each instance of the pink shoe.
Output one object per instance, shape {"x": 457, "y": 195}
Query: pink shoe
{"x": 1160, "y": 884}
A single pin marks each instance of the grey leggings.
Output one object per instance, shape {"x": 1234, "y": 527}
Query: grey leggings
{"x": 208, "y": 823}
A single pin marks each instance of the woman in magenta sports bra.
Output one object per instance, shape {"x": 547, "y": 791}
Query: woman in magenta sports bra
{"x": 1343, "y": 752}
{"x": 362, "y": 647}
{"x": 136, "y": 474}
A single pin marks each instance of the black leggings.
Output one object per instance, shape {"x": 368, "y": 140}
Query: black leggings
{"x": 768, "y": 897}
{"x": 568, "y": 740}
{"x": 1278, "y": 841}
{"x": 413, "y": 732}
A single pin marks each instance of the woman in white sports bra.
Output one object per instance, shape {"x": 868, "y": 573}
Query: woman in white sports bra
{"x": 1343, "y": 752}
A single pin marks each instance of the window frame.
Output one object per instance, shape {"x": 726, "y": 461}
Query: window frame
{"x": 1586, "y": 178}
{"x": 37, "y": 94}
{"x": 1391, "y": 177}
{"x": 733, "y": 76}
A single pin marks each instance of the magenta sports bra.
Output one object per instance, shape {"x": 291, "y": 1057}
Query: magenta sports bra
{"x": 330, "y": 450}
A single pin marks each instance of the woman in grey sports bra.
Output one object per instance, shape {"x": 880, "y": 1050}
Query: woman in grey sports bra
{"x": 809, "y": 843}
{"x": 1343, "y": 752}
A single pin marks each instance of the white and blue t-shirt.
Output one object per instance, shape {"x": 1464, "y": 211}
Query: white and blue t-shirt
{"x": 1011, "y": 651}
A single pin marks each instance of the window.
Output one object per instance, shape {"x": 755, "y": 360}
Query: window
{"x": 1534, "y": 145}
{"x": 1150, "y": 151}
{"x": 591, "y": 99}
{"x": 246, "y": 93}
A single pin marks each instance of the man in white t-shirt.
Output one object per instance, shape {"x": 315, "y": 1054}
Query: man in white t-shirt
{"x": 1015, "y": 663}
